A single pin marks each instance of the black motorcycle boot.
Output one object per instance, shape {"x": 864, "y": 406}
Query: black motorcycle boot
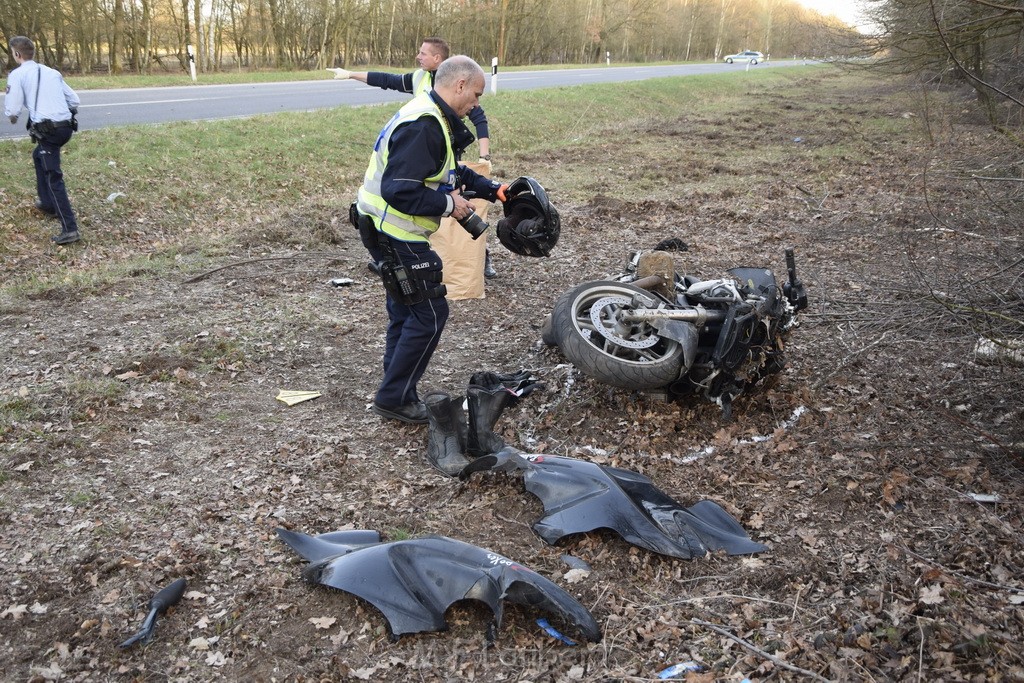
{"x": 446, "y": 435}
{"x": 485, "y": 407}
{"x": 489, "y": 270}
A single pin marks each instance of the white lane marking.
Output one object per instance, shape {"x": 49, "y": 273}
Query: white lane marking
{"x": 132, "y": 104}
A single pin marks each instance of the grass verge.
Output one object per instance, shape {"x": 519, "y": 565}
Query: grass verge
{"x": 131, "y": 80}
{"x": 155, "y": 200}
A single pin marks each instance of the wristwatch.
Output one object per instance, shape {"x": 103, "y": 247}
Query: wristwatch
{"x": 485, "y": 157}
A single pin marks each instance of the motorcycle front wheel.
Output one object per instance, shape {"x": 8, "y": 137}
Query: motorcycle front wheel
{"x": 588, "y": 325}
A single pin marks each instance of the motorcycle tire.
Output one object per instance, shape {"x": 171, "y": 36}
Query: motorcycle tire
{"x": 549, "y": 330}
{"x": 630, "y": 356}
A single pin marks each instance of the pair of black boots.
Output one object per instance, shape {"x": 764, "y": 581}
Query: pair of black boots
{"x": 453, "y": 440}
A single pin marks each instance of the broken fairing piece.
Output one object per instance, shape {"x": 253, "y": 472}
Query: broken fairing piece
{"x": 553, "y": 632}
{"x": 575, "y": 563}
{"x": 414, "y": 582}
{"x": 679, "y": 670}
{"x": 580, "y": 497}
{"x": 166, "y": 597}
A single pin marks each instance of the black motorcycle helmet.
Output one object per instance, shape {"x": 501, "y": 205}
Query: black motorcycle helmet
{"x": 531, "y": 225}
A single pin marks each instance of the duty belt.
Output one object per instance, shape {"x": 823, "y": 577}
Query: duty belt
{"x": 47, "y": 124}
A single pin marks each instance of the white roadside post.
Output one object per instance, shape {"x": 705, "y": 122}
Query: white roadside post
{"x": 191, "y": 61}
{"x": 494, "y": 75}
{"x": 608, "y": 58}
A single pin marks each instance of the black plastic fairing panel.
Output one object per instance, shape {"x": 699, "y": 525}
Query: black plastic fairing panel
{"x": 414, "y": 582}
{"x": 580, "y": 496}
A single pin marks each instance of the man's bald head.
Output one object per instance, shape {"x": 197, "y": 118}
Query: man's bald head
{"x": 455, "y": 68}
{"x": 459, "y": 82}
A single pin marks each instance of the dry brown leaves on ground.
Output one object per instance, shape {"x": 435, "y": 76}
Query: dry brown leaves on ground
{"x": 143, "y": 443}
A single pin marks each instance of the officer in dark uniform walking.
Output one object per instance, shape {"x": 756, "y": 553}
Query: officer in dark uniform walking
{"x": 52, "y": 106}
{"x": 412, "y": 181}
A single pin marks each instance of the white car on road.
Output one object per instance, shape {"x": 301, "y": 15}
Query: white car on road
{"x": 751, "y": 56}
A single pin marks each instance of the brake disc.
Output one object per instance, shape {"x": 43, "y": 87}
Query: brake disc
{"x": 612, "y": 333}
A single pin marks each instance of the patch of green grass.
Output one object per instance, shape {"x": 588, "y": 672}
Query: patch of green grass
{"x": 66, "y": 279}
{"x": 95, "y": 392}
{"x": 19, "y": 409}
{"x": 213, "y": 353}
{"x": 80, "y": 498}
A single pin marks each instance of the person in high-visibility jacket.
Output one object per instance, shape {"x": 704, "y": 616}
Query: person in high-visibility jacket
{"x": 412, "y": 181}
{"x": 432, "y": 52}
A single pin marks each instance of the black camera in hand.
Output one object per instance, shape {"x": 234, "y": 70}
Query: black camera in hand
{"x": 473, "y": 224}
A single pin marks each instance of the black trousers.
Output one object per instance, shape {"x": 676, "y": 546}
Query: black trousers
{"x": 53, "y": 196}
{"x": 413, "y": 331}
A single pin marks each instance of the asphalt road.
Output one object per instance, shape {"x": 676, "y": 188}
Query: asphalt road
{"x": 133, "y": 106}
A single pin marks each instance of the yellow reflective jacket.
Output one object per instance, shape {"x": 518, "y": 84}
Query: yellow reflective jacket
{"x": 422, "y": 81}
{"x": 388, "y": 219}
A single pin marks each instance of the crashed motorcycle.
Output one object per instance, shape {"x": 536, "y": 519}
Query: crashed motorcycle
{"x": 651, "y": 328}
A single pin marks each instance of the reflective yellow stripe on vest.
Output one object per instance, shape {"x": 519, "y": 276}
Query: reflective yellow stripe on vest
{"x": 387, "y": 218}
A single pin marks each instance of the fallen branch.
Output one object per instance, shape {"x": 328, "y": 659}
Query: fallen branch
{"x": 203, "y": 276}
{"x": 1008, "y": 450}
{"x": 1004, "y": 180}
{"x": 772, "y": 658}
{"x": 994, "y": 350}
{"x": 956, "y": 574}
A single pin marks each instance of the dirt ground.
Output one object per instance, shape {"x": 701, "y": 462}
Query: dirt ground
{"x": 142, "y": 441}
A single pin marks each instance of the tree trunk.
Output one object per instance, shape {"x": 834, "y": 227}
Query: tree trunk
{"x": 199, "y": 35}
{"x": 501, "y": 32}
{"x": 187, "y": 37}
{"x": 117, "y": 39}
{"x": 277, "y": 29}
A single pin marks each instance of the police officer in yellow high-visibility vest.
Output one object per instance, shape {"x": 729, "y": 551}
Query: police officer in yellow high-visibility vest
{"x": 432, "y": 52}
{"x": 412, "y": 181}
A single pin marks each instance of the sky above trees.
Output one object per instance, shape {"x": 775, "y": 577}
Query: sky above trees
{"x": 847, "y": 10}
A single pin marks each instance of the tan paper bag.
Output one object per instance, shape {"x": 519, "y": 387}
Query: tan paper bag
{"x": 463, "y": 256}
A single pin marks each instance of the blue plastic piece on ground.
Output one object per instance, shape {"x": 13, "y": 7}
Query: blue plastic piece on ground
{"x": 679, "y": 669}
{"x": 543, "y": 623}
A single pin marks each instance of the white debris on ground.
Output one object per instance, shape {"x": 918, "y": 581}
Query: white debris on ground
{"x": 699, "y": 453}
